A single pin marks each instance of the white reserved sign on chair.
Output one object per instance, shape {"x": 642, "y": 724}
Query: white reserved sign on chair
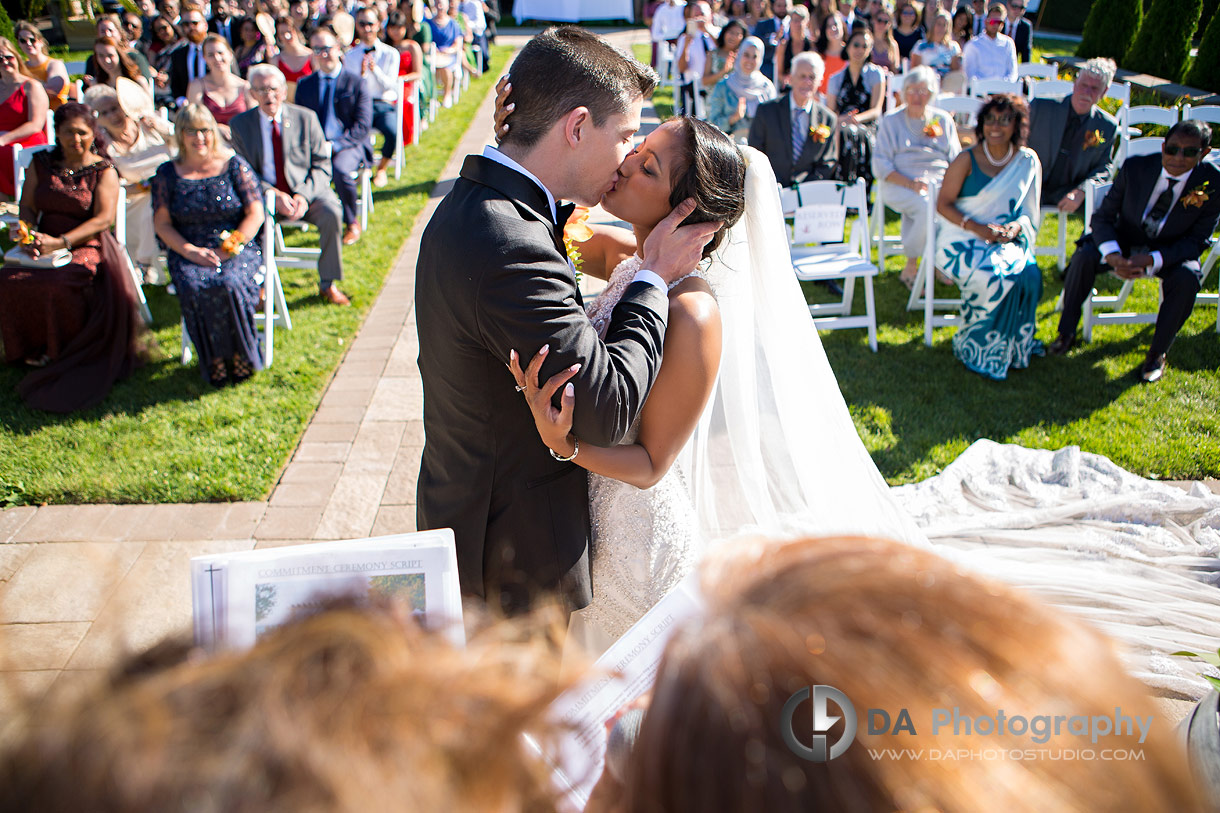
{"x": 819, "y": 223}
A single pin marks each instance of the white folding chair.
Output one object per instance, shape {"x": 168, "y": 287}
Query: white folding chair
{"x": 893, "y": 92}
{"x": 926, "y": 280}
{"x": 1050, "y": 89}
{"x": 837, "y": 260}
{"x": 1142, "y": 114}
{"x": 985, "y": 87}
{"x": 1144, "y": 146}
{"x": 22, "y": 158}
{"x": 1037, "y": 70}
{"x": 400, "y": 114}
{"x": 120, "y": 235}
{"x": 1209, "y": 113}
{"x": 964, "y": 109}
{"x": 433, "y": 103}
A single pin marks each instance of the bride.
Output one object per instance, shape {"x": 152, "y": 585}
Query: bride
{"x": 745, "y": 428}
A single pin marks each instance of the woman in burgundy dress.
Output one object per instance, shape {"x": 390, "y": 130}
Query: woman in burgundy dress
{"x": 219, "y": 90}
{"x": 79, "y": 322}
{"x": 23, "y": 112}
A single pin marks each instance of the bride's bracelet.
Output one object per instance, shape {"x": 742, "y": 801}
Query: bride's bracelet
{"x": 569, "y": 458}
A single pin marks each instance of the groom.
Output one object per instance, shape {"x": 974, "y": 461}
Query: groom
{"x": 492, "y": 277}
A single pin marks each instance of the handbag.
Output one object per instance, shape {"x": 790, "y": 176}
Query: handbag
{"x": 55, "y": 259}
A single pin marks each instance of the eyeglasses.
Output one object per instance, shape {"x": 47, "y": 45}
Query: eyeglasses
{"x": 1186, "y": 152}
{"x": 193, "y": 132}
{"x": 999, "y": 119}
{"x": 323, "y": 50}
{"x": 883, "y": 21}
{"x": 265, "y": 90}
{"x": 367, "y": 24}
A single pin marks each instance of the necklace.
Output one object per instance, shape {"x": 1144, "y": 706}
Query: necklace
{"x": 923, "y": 122}
{"x": 1002, "y": 161}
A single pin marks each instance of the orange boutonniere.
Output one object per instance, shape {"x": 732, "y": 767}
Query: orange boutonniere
{"x": 1093, "y": 138}
{"x": 576, "y": 230}
{"x": 1197, "y": 196}
{"x": 933, "y": 129}
{"x": 820, "y": 133}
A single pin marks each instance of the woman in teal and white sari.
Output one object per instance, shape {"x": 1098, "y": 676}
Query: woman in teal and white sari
{"x": 988, "y": 224}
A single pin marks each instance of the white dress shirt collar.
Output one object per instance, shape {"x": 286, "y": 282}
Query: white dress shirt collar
{"x": 494, "y": 154}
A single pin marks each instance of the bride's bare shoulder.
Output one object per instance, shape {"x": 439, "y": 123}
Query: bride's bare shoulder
{"x": 692, "y": 305}
{"x": 608, "y": 247}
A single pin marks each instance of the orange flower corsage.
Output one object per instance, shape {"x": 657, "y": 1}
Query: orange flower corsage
{"x": 231, "y": 242}
{"x": 25, "y": 233}
{"x": 820, "y": 133}
{"x": 576, "y": 231}
{"x": 1093, "y": 138}
{"x": 933, "y": 129}
{"x": 1197, "y": 196}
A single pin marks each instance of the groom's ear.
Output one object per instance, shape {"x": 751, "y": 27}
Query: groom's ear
{"x": 576, "y": 125}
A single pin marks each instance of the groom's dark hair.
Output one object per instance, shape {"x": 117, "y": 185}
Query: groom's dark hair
{"x": 568, "y": 67}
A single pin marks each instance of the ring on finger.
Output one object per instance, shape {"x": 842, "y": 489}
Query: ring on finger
{"x": 519, "y": 388}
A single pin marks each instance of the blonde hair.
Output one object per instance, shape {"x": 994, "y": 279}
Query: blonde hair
{"x": 8, "y": 46}
{"x": 895, "y": 628}
{"x": 197, "y": 117}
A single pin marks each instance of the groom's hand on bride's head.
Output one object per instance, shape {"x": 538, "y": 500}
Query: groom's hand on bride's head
{"x": 503, "y": 108}
{"x": 673, "y": 250}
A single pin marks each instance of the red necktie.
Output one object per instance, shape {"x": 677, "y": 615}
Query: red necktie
{"x": 277, "y": 154}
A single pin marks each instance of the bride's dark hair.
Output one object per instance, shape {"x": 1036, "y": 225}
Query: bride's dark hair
{"x": 713, "y": 172}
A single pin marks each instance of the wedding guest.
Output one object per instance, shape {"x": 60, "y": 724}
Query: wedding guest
{"x": 692, "y": 53}
{"x": 110, "y": 62}
{"x": 797, "y": 42}
{"x": 735, "y": 99}
{"x": 909, "y": 29}
{"x": 861, "y": 16}
{"x": 856, "y": 95}
{"x": 992, "y": 54}
{"x": 963, "y": 26}
{"x": 188, "y": 63}
{"x": 738, "y": 11}
{"x": 1073, "y": 137}
{"x": 940, "y": 53}
{"x": 756, "y": 12}
{"x": 133, "y": 32}
{"x": 1020, "y": 30}
{"x": 377, "y": 64}
{"x": 978, "y": 10}
{"x": 1156, "y": 220}
{"x": 293, "y": 59}
{"x": 223, "y": 21}
{"x": 39, "y": 64}
{"x": 891, "y": 627}
{"x": 111, "y": 25}
{"x": 78, "y": 322}
{"x": 342, "y": 104}
{"x": 668, "y": 23}
{"x": 985, "y": 241}
{"x": 222, "y": 92}
{"x": 208, "y": 208}
{"x": 23, "y": 112}
{"x": 348, "y": 709}
{"x": 410, "y": 68}
{"x": 796, "y": 132}
{"x": 252, "y": 48}
{"x": 447, "y": 38}
{"x": 419, "y": 31}
{"x": 885, "y": 47}
{"x": 137, "y": 142}
{"x": 772, "y": 30}
{"x": 301, "y": 175}
{"x": 830, "y": 46}
{"x": 915, "y": 145}
{"x": 722, "y": 61}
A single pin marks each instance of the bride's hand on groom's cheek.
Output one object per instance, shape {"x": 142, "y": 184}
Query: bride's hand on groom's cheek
{"x": 503, "y": 109}
{"x": 554, "y": 425}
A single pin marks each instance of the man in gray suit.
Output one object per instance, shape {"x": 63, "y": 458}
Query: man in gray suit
{"x": 1074, "y": 138}
{"x": 286, "y": 147}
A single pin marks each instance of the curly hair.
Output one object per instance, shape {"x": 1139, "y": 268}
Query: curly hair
{"x": 1006, "y": 103}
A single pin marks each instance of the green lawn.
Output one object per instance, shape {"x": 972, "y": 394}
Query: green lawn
{"x": 917, "y": 408}
{"x": 166, "y": 436}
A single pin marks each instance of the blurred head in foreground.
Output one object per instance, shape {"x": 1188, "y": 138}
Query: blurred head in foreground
{"x": 893, "y": 628}
{"x": 347, "y": 710}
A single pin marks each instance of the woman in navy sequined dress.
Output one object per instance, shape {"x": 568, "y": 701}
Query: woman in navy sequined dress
{"x": 197, "y": 199}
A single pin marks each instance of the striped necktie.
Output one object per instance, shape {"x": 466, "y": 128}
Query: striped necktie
{"x": 800, "y": 130}
{"x": 1152, "y": 223}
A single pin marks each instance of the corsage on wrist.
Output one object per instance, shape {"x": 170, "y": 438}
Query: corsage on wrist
{"x": 232, "y": 241}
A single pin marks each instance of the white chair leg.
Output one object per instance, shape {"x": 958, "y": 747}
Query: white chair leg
{"x": 186, "y": 343}
{"x": 1088, "y": 316}
{"x": 1063, "y": 236}
{"x": 870, "y": 311}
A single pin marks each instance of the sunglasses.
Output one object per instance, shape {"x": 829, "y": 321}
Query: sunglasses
{"x": 26, "y": 40}
{"x": 1185, "y": 152}
{"x": 6, "y": 59}
{"x": 323, "y": 50}
{"x": 1002, "y": 121}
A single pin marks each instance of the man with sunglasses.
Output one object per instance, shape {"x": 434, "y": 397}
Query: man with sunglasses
{"x": 1019, "y": 30}
{"x": 377, "y": 64}
{"x": 1156, "y": 220}
{"x": 992, "y": 54}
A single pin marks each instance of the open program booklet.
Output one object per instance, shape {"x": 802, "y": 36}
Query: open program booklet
{"x": 239, "y": 596}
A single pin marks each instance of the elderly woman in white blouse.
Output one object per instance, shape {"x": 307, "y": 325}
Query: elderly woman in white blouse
{"x": 137, "y": 141}
{"x": 915, "y": 145}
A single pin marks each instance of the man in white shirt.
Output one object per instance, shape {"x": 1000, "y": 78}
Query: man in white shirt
{"x": 993, "y": 55}
{"x": 286, "y": 147}
{"x": 1156, "y": 220}
{"x": 186, "y": 62}
{"x": 377, "y": 63}
{"x": 692, "y": 54}
{"x": 668, "y": 22}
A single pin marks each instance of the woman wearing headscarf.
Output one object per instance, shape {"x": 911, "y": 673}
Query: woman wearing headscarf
{"x": 735, "y": 98}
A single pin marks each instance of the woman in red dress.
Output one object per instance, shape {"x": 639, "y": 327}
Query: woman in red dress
{"x": 410, "y": 67}
{"x": 78, "y": 322}
{"x": 23, "y": 112}
{"x": 294, "y": 57}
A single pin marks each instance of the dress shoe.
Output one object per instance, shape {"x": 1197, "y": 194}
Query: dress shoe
{"x": 351, "y": 234}
{"x": 334, "y": 296}
{"x": 1152, "y": 369}
{"x": 1061, "y": 345}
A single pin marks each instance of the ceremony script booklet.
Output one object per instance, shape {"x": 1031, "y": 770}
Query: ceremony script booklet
{"x": 237, "y": 597}
{"x": 623, "y": 674}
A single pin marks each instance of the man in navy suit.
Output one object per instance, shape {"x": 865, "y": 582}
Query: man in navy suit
{"x": 1156, "y": 220}
{"x": 343, "y": 105}
{"x": 223, "y": 22}
{"x": 1019, "y": 29}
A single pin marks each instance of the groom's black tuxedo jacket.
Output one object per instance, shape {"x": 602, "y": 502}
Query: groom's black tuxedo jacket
{"x": 492, "y": 277}
{"x": 1186, "y": 232}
